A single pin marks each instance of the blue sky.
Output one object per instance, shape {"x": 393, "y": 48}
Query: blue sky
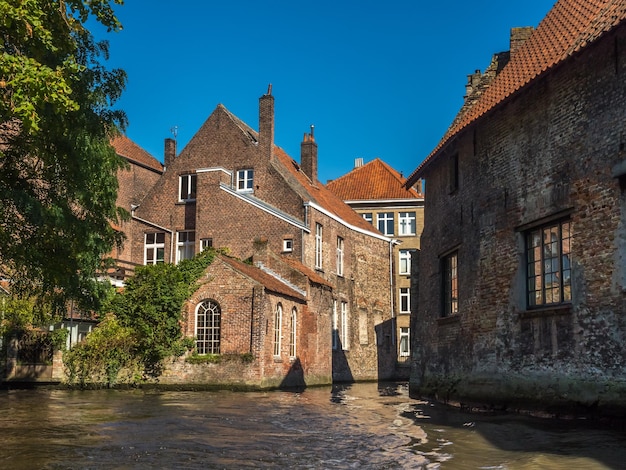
{"x": 376, "y": 78}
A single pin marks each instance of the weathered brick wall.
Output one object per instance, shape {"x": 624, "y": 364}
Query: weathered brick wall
{"x": 547, "y": 151}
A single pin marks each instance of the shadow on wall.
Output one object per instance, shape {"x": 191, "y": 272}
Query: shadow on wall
{"x": 341, "y": 367}
{"x": 295, "y": 377}
{"x": 386, "y": 350}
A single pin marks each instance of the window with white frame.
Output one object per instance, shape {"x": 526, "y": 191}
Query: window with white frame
{"x": 206, "y": 243}
{"x": 185, "y": 245}
{"x": 288, "y": 245}
{"x": 318, "y": 246}
{"x": 245, "y": 180}
{"x": 367, "y": 216}
{"x": 278, "y": 326}
{"x": 384, "y": 221}
{"x": 404, "y": 262}
{"x": 548, "y": 264}
{"x": 208, "y": 325}
{"x": 450, "y": 287}
{"x": 154, "y": 248}
{"x": 405, "y": 300}
{"x": 335, "y": 331}
{"x": 406, "y": 223}
{"x": 339, "y": 256}
{"x": 405, "y": 349}
{"x": 293, "y": 332}
{"x": 344, "y": 326}
{"x": 187, "y": 187}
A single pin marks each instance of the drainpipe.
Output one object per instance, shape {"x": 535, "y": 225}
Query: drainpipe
{"x": 252, "y": 323}
{"x": 392, "y": 291}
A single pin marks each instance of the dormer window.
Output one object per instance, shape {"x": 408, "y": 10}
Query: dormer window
{"x": 245, "y": 180}
{"x": 187, "y": 188}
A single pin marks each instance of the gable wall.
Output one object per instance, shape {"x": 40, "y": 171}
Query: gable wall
{"x": 550, "y": 149}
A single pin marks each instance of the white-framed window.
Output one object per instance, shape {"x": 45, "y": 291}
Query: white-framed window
{"x": 187, "y": 187}
{"x": 384, "y": 221}
{"x": 293, "y": 333}
{"x": 339, "y": 256}
{"x": 245, "y": 180}
{"x": 335, "y": 331}
{"x": 185, "y": 245}
{"x": 278, "y": 326}
{"x": 367, "y": 216}
{"x": 406, "y": 223}
{"x": 405, "y": 338}
{"x": 288, "y": 245}
{"x": 206, "y": 243}
{"x": 405, "y": 300}
{"x": 154, "y": 248}
{"x": 208, "y": 325}
{"x": 344, "y": 326}
{"x": 404, "y": 265}
{"x": 318, "y": 245}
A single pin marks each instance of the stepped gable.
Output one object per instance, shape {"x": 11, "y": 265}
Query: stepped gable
{"x": 131, "y": 151}
{"x": 374, "y": 180}
{"x": 569, "y": 26}
{"x": 268, "y": 281}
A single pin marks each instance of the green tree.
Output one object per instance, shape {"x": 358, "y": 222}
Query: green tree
{"x": 58, "y": 182}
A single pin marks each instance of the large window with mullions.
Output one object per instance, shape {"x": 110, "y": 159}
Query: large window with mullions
{"x": 548, "y": 264}
{"x": 208, "y": 326}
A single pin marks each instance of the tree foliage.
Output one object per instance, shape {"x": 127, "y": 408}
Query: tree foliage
{"x": 58, "y": 182}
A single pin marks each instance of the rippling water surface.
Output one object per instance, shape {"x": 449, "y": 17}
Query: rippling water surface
{"x": 373, "y": 426}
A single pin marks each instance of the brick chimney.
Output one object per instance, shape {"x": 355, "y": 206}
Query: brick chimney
{"x": 518, "y": 37}
{"x": 266, "y": 122}
{"x": 170, "y": 152}
{"x": 308, "y": 156}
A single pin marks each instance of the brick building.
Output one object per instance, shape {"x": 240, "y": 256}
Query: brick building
{"x": 522, "y": 272}
{"x": 231, "y": 187}
{"x": 377, "y": 192}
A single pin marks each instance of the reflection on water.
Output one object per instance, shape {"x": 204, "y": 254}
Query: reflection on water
{"x": 373, "y": 426}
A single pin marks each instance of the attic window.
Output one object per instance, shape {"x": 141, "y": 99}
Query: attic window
{"x": 245, "y": 180}
{"x": 288, "y": 245}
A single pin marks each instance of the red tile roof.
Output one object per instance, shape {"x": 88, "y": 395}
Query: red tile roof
{"x": 131, "y": 151}
{"x": 308, "y": 272}
{"x": 570, "y": 26}
{"x": 268, "y": 281}
{"x": 373, "y": 181}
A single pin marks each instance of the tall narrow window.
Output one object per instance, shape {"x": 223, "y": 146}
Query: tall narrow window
{"x": 450, "y": 284}
{"x": 318, "y": 246}
{"x": 404, "y": 262}
{"x": 154, "y": 248}
{"x": 385, "y": 222}
{"x": 187, "y": 187}
{"x": 405, "y": 350}
{"x": 293, "y": 333}
{"x": 185, "y": 245}
{"x": 245, "y": 180}
{"x": 548, "y": 261}
{"x": 453, "y": 173}
{"x": 208, "y": 324}
{"x": 278, "y": 326}
{"x": 405, "y": 300}
{"x": 345, "y": 327}
{"x": 339, "y": 256}
{"x": 335, "y": 332}
{"x": 406, "y": 223}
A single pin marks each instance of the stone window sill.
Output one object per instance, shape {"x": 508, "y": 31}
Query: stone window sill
{"x": 548, "y": 311}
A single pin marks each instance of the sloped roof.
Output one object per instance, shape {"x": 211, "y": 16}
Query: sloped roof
{"x": 308, "y": 272}
{"x": 268, "y": 281}
{"x": 300, "y": 182}
{"x": 131, "y": 151}
{"x": 375, "y": 180}
{"x": 568, "y": 27}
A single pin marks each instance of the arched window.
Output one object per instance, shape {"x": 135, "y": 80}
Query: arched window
{"x": 208, "y": 323}
{"x": 293, "y": 332}
{"x": 278, "y": 325}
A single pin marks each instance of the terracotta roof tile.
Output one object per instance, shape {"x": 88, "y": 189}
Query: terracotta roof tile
{"x": 131, "y": 151}
{"x": 308, "y": 272}
{"x": 374, "y": 180}
{"x": 268, "y": 281}
{"x": 567, "y": 28}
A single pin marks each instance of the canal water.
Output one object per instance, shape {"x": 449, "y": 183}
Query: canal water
{"x": 369, "y": 426}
